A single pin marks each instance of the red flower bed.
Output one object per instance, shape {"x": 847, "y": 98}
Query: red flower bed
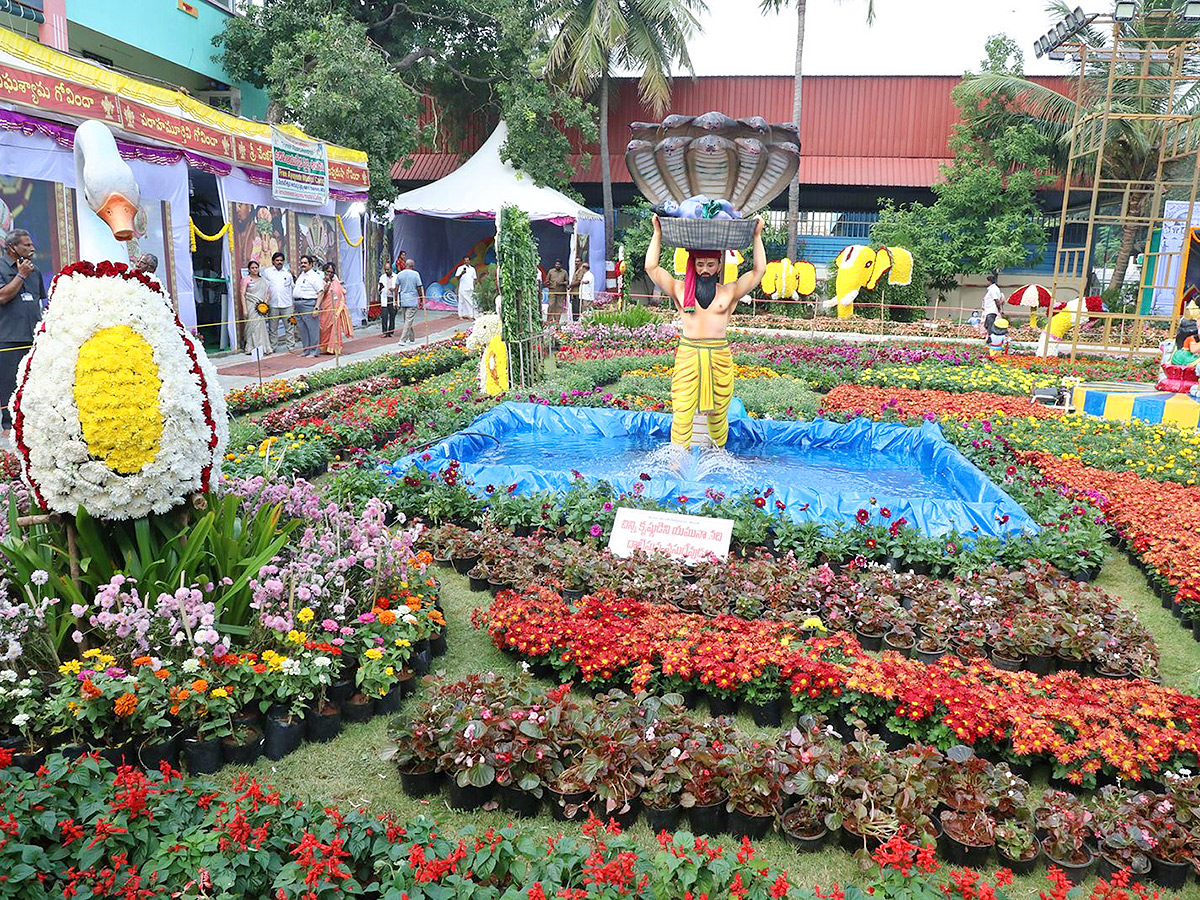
{"x": 1159, "y": 520}
{"x": 904, "y": 403}
{"x": 1131, "y": 728}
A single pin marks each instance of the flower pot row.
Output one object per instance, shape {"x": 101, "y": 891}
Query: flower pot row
{"x": 279, "y": 734}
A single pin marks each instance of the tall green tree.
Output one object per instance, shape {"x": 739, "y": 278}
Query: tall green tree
{"x": 1132, "y": 145}
{"x": 592, "y": 37}
{"x": 322, "y": 73}
{"x": 793, "y": 220}
{"x": 464, "y": 62}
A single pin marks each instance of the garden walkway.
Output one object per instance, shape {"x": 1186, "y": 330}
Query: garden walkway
{"x": 236, "y": 371}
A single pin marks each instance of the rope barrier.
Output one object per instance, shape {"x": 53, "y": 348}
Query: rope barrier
{"x": 346, "y": 237}
{"x": 194, "y": 232}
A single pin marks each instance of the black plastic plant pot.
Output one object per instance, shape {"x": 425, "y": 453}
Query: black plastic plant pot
{"x": 322, "y": 727}
{"x": 567, "y": 807}
{"x": 963, "y": 854}
{"x": 1166, "y": 600}
{"x": 421, "y": 784}
{"x": 868, "y": 640}
{"x": 478, "y": 584}
{"x": 769, "y": 714}
{"x": 353, "y": 713}
{"x": 1171, "y": 875}
{"x": 807, "y": 837}
{"x": 1077, "y": 873}
{"x": 723, "y": 706}
{"x": 1039, "y": 665}
{"x": 242, "y": 753}
{"x": 1020, "y": 866}
{"x": 407, "y": 685}
{"x": 469, "y": 798}
{"x": 202, "y": 757}
{"x": 389, "y": 702}
{"x": 340, "y": 691}
{"x": 754, "y": 827}
{"x": 852, "y": 842}
{"x": 420, "y": 661}
{"x": 691, "y": 698}
{"x": 929, "y": 657}
{"x": 659, "y": 820}
{"x": 497, "y": 586}
{"x": 443, "y": 561}
{"x": 282, "y": 737}
{"x": 114, "y": 756}
{"x": 437, "y": 644}
{"x": 572, "y": 595}
{"x": 1196, "y": 630}
{"x": 152, "y": 752}
{"x": 518, "y": 802}
{"x": 29, "y": 761}
{"x": 1072, "y": 665}
{"x": 707, "y": 820}
{"x": 464, "y": 564}
{"x": 522, "y": 531}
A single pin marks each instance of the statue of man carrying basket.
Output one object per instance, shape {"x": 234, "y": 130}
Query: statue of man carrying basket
{"x": 705, "y": 175}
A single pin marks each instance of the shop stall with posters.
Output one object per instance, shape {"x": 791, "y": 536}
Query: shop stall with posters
{"x": 271, "y": 187}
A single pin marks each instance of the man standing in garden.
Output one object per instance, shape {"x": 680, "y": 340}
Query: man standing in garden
{"x": 703, "y": 378}
{"x": 557, "y": 282}
{"x": 280, "y": 327}
{"x": 992, "y": 298}
{"x": 411, "y": 291}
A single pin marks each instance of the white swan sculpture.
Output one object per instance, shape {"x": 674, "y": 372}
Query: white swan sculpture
{"x": 107, "y": 186}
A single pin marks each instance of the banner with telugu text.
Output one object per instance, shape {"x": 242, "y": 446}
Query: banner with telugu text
{"x": 299, "y": 169}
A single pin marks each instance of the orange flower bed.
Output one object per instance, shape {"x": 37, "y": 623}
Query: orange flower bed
{"x": 1085, "y": 725}
{"x": 1159, "y": 520}
{"x": 904, "y": 403}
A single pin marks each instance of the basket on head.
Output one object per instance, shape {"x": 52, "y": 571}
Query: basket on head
{"x": 708, "y": 234}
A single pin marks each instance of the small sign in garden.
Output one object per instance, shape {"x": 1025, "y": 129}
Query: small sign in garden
{"x": 684, "y": 537}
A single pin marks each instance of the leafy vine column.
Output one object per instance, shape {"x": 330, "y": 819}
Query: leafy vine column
{"x": 520, "y": 306}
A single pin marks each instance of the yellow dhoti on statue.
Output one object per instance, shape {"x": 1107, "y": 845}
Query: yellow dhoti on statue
{"x": 703, "y": 382}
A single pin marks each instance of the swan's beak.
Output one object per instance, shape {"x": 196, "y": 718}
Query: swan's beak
{"x": 118, "y": 211}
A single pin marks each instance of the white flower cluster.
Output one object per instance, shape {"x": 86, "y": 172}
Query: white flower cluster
{"x": 55, "y": 457}
{"x": 484, "y": 329}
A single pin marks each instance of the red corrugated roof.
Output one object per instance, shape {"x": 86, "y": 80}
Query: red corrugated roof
{"x": 877, "y": 130}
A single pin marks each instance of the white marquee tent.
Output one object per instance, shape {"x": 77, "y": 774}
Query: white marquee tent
{"x": 453, "y": 217}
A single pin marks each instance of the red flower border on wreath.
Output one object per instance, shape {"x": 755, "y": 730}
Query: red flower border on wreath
{"x": 107, "y": 269}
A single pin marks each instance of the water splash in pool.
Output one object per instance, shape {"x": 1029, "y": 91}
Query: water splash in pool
{"x": 696, "y": 464}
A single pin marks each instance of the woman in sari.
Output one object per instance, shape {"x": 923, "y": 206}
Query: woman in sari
{"x": 335, "y": 317}
{"x": 256, "y": 301}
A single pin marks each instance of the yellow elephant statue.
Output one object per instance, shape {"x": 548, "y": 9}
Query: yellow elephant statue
{"x": 733, "y": 259}
{"x": 859, "y": 266}
{"x": 787, "y": 280}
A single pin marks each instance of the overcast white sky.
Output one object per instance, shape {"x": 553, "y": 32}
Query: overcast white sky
{"x": 907, "y": 37}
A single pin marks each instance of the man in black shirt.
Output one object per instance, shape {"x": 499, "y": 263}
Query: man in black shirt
{"x": 21, "y": 296}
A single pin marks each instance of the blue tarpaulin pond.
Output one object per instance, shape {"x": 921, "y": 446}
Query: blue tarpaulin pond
{"x": 821, "y": 471}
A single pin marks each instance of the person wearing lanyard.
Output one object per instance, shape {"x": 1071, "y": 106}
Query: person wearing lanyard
{"x": 21, "y": 297}
{"x": 309, "y": 284}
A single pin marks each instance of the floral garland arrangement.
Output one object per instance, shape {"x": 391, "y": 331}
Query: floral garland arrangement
{"x": 113, "y": 410}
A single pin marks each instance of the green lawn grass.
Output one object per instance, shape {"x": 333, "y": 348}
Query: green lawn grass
{"x": 348, "y": 772}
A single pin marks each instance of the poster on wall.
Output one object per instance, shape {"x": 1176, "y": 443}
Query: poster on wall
{"x": 258, "y": 233}
{"x": 299, "y": 169}
{"x": 317, "y": 236}
{"x": 1170, "y": 253}
{"x": 29, "y": 204}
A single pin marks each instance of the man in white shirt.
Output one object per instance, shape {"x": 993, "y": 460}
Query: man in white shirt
{"x": 387, "y": 299}
{"x": 466, "y": 289}
{"x": 992, "y": 298}
{"x": 279, "y": 280}
{"x": 308, "y": 287}
{"x": 587, "y": 286}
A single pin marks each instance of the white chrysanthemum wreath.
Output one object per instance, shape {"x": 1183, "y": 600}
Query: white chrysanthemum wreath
{"x": 117, "y": 410}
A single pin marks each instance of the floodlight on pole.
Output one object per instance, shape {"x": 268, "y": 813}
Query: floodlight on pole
{"x": 1125, "y": 10}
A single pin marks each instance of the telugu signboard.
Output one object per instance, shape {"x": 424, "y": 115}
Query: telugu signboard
{"x": 683, "y": 537}
{"x": 299, "y": 169}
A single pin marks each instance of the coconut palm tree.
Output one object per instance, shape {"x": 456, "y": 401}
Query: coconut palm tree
{"x": 794, "y": 188}
{"x": 1131, "y": 145}
{"x": 646, "y": 36}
